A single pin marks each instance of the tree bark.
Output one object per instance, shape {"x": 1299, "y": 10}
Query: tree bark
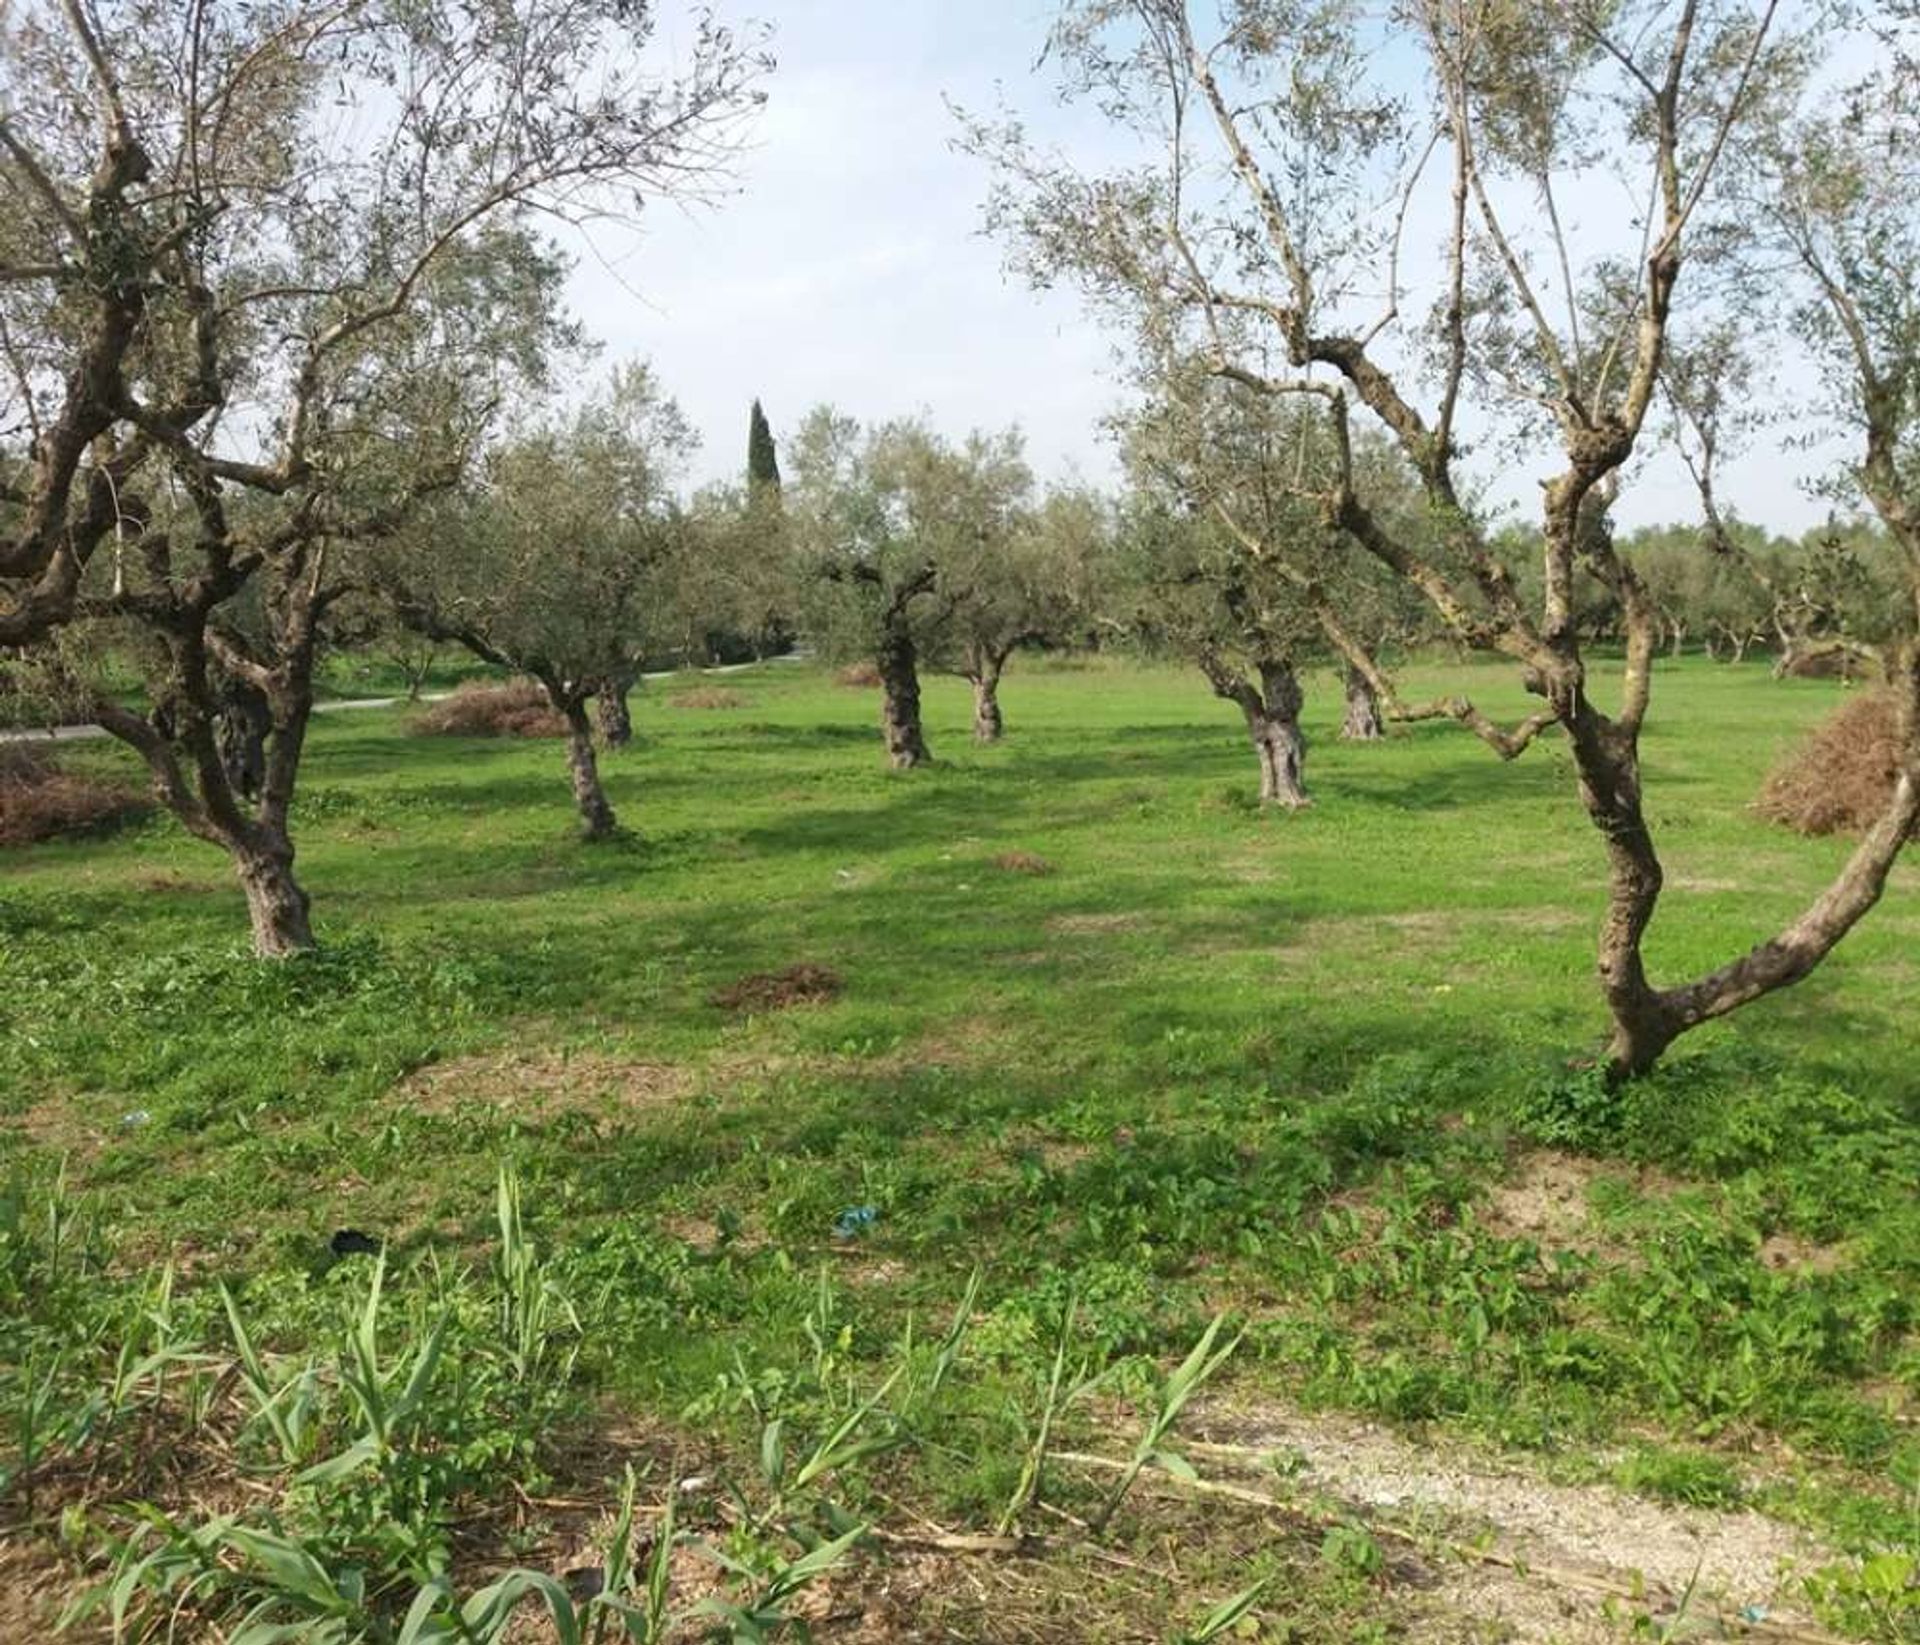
{"x": 989, "y": 726}
{"x": 242, "y": 725}
{"x": 1362, "y": 723}
{"x": 900, "y": 701}
{"x": 1275, "y": 730}
{"x": 614, "y": 712}
{"x": 277, "y": 907}
{"x": 597, "y": 821}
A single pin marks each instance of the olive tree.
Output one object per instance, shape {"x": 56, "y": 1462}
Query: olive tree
{"x": 1024, "y": 581}
{"x": 1266, "y": 221}
{"x": 1256, "y": 584}
{"x": 892, "y": 531}
{"x": 557, "y": 560}
{"x": 229, "y": 234}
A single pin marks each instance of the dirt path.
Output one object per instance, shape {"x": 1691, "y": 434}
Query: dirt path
{"x": 1536, "y": 1561}
{"x": 82, "y": 733}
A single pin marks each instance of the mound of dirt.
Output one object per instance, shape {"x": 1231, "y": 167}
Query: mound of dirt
{"x": 40, "y": 801}
{"x": 705, "y": 698}
{"x": 1022, "y": 862}
{"x": 480, "y": 709}
{"x": 859, "y": 674}
{"x": 1839, "y": 780}
{"x": 777, "y": 990}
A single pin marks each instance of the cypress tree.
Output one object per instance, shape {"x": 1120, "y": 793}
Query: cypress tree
{"x": 763, "y": 466}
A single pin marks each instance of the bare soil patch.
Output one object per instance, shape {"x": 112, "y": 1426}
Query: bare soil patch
{"x": 779, "y": 990}
{"x": 1079, "y": 925}
{"x": 35, "y": 1583}
{"x": 707, "y": 698}
{"x": 862, "y": 676}
{"x": 539, "y": 1083}
{"x": 1791, "y": 1253}
{"x": 1545, "y": 1557}
{"x": 1545, "y": 1199}
{"x": 171, "y": 882}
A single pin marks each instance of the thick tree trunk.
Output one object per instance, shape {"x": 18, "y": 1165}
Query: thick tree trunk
{"x": 988, "y": 725}
{"x": 1273, "y": 724}
{"x": 597, "y": 821}
{"x": 614, "y": 712}
{"x": 1282, "y": 752}
{"x": 900, "y": 703}
{"x": 1362, "y": 723}
{"x": 277, "y": 908}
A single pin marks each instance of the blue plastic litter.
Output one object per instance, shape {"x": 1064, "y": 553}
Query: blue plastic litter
{"x": 855, "y": 1220}
{"x": 1753, "y": 1613}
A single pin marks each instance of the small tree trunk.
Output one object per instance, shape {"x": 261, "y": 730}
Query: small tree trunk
{"x": 988, "y": 725}
{"x": 1740, "y": 644}
{"x": 277, "y": 907}
{"x": 614, "y": 712}
{"x": 900, "y": 702}
{"x": 1362, "y": 723}
{"x": 597, "y": 821}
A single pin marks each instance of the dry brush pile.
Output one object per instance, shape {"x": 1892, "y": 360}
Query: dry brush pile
{"x": 1839, "y": 780}
{"x": 41, "y": 801}
{"x": 519, "y": 708}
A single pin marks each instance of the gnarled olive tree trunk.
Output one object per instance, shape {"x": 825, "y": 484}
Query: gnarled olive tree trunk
{"x": 989, "y": 724}
{"x": 1272, "y": 713}
{"x": 899, "y": 665}
{"x": 277, "y": 907}
{"x": 233, "y": 785}
{"x": 983, "y": 670}
{"x": 614, "y": 711}
{"x": 1362, "y": 722}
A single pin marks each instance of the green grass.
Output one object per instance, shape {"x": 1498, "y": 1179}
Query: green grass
{"x": 1292, "y": 1067}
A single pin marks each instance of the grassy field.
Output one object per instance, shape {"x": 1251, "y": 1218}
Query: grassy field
{"x": 1111, "y": 1048}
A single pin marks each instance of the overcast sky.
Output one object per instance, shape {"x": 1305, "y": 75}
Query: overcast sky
{"x": 850, "y": 265}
